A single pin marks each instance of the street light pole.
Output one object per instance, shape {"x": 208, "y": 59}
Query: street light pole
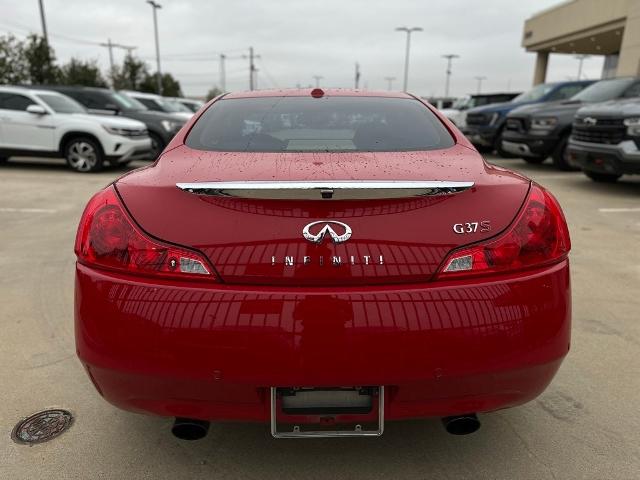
{"x": 389, "y": 82}
{"x": 480, "y": 79}
{"x": 408, "y": 47}
{"x": 449, "y": 57}
{"x": 317, "y": 79}
{"x": 44, "y": 23}
{"x": 155, "y": 6}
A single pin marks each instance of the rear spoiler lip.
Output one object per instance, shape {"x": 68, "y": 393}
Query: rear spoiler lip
{"x": 325, "y": 189}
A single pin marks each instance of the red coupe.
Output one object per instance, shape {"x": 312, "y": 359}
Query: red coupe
{"x": 323, "y": 261}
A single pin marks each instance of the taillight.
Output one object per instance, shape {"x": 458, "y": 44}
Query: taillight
{"x": 539, "y": 236}
{"x": 108, "y": 238}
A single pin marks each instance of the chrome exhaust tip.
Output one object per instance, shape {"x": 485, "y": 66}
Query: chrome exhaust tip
{"x": 190, "y": 428}
{"x": 461, "y": 424}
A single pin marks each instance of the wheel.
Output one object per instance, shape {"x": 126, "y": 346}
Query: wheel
{"x": 560, "y": 156}
{"x": 117, "y": 165}
{"x": 534, "y": 160}
{"x": 602, "y": 177}
{"x": 84, "y": 154}
{"x": 157, "y": 145}
{"x": 483, "y": 148}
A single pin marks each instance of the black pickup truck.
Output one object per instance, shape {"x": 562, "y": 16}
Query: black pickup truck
{"x": 535, "y": 132}
{"x": 605, "y": 141}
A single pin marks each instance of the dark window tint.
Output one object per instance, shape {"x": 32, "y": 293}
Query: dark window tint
{"x": 96, "y": 100}
{"x": 13, "y": 101}
{"x": 150, "y": 104}
{"x": 85, "y": 98}
{"x": 330, "y": 124}
{"x": 633, "y": 91}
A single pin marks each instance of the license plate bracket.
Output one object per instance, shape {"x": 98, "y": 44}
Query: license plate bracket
{"x": 355, "y": 418}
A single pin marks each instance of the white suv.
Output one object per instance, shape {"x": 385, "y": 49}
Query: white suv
{"x": 43, "y": 123}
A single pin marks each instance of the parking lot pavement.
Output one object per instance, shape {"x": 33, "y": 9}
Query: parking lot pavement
{"x": 586, "y": 425}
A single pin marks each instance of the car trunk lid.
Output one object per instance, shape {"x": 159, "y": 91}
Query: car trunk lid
{"x": 323, "y": 219}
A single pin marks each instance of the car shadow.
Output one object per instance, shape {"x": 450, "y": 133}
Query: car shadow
{"x": 626, "y": 185}
{"x": 408, "y": 449}
{"x": 59, "y": 164}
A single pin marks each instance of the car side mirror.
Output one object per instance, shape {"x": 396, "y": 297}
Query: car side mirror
{"x": 36, "y": 109}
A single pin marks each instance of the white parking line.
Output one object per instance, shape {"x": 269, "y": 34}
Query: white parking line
{"x": 26, "y": 210}
{"x": 619, "y": 210}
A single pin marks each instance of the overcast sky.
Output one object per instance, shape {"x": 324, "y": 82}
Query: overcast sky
{"x": 298, "y": 39}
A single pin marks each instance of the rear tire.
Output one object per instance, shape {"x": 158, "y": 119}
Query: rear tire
{"x": 534, "y": 160}
{"x": 560, "y": 156}
{"x": 483, "y": 148}
{"x": 157, "y": 145}
{"x": 603, "y": 177}
{"x": 84, "y": 155}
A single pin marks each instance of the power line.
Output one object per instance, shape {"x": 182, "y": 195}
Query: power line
{"x": 268, "y": 75}
{"x": 30, "y": 30}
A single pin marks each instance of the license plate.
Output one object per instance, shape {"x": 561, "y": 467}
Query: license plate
{"x": 327, "y": 412}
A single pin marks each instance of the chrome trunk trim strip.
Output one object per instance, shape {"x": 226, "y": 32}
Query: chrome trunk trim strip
{"x": 328, "y": 190}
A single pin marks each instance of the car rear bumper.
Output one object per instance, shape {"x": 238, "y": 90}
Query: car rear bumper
{"x": 528, "y": 145}
{"x": 212, "y": 351}
{"x": 619, "y": 159}
{"x": 484, "y": 136}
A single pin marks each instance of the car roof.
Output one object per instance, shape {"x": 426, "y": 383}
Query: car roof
{"x": 306, "y": 92}
{"x": 34, "y": 90}
{"x": 135, "y": 93}
{"x": 66, "y": 88}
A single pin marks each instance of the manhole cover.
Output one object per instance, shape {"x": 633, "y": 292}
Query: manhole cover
{"x": 42, "y": 426}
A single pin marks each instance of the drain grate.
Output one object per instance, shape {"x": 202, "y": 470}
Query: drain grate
{"x": 42, "y": 426}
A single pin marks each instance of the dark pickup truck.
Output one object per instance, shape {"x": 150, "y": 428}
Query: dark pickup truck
{"x": 605, "y": 141}
{"x": 535, "y": 132}
{"x": 485, "y": 124}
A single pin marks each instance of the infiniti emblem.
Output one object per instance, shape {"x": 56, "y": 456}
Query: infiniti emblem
{"x": 589, "y": 121}
{"x": 327, "y": 229}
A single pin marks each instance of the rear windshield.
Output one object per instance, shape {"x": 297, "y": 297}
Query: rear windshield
{"x": 329, "y": 124}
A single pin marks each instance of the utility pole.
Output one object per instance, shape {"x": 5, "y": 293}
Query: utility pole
{"x": 449, "y": 57}
{"x": 389, "y": 82}
{"x": 156, "y": 6}
{"x": 110, "y": 45}
{"x": 357, "y": 75}
{"x": 480, "y": 79}
{"x": 44, "y": 23}
{"x": 223, "y": 75}
{"x": 406, "y": 56}
{"x": 251, "y": 68}
{"x": 317, "y": 78}
{"x": 581, "y": 59}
